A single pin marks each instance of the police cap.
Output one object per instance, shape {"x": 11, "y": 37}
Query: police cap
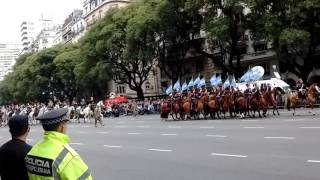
{"x": 53, "y": 117}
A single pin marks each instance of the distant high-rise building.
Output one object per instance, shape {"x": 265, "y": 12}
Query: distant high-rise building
{"x": 8, "y": 55}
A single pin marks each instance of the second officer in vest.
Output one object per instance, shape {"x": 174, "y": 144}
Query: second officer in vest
{"x": 53, "y": 158}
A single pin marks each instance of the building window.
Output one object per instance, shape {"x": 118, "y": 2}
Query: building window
{"x": 120, "y": 89}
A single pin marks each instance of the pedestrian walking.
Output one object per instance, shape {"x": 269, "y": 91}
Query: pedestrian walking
{"x": 53, "y": 158}
{"x": 13, "y": 153}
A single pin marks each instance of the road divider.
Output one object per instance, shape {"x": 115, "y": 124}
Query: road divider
{"x": 288, "y": 138}
{"x": 111, "y": 146}
{"x": 161, "y": 150}
{"x": 217, "y": 136}
{"x": 229, "y": 155}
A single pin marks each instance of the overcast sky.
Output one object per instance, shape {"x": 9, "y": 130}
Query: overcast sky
{"x": 13, "y": 12}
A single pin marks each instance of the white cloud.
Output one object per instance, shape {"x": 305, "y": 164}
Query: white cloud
{"x": 13, "y": 12}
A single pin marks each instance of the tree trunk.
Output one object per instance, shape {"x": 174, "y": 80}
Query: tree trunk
{"x": 140, "y": 93}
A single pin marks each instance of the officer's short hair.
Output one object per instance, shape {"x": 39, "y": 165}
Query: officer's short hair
{"x": 51, "y": 127}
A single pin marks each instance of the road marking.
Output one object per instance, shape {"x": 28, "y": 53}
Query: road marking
{"x": 120, "y": 122}
{"x": 229, "y": 155}
{"x": 121, "y": 126}
{"x": 314, "y": 161}
{"x": 140, "y": 121}
{"x": 248, "y": 120}
{"x": 174, "y": 127}
{"x": 218, "y": 136}
{"x": 134, "y": 133}
{"x": 310, "y": 127}
{"x": 76, "y": 143}
{"x": 291, "y": 138}
{"x": 102, "y": 132}
{"x": 207, "y": 127}
{"x": 143, "y": 126}
{"x": 80, "y": 132}
{"x": 29, "y": 139}
{"x": 85, "y": 126}
{"x": 111, "y": 146}
{"x": 168, "y": 134}
{"x": 253, "y": 127}
{"x": 161, "y": 150}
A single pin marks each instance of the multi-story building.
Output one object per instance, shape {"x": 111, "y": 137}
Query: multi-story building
{"x": 8, "y": 55}
{"x": 73, "y": 27}
{"x": 30, "y": 31}
{"x": 45, "y": 39}
{"x": 96, "y": 9}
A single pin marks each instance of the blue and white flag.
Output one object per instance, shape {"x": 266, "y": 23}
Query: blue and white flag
{"x": 177, "y": 86}
{"x": 184, "y": 86}
{"x": 226, "y": 83}
{"x": 202, "y": 83}
{"x": 169, "y": 90}
{"x": 197, "y": 81}
{"x": 190, "y": 85}
{"x": 234, "y": 83}
{"x": 218, "y": 80}
{"x": 213, "y": 80}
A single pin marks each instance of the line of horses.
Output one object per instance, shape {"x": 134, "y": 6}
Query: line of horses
{"x": 234, "y": 103}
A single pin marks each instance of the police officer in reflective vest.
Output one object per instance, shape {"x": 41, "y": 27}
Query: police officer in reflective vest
{"x": 53, "y": 158}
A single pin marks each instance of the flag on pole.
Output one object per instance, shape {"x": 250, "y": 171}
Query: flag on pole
{"x": 197, "y": 81}
{"x": 226, "y": 83}
{"x": 218, "y": 80}
{"x": 184, "y": 86}
{"x": 234, "y": 83}
{"x": 202, "y": 82}
{"x": 191, "y": 84}
{"x": 213, "y": 80}
{"x": 177, "y": 86}
{"x": 169, "y": 90}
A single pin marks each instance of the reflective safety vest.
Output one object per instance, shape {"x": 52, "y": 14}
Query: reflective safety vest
{"x": 54, "y": 159}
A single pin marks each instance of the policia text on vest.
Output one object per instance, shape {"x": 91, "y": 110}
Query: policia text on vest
{"x": 53, "y": 158}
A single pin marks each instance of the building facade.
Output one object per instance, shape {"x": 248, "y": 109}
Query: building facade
{"x": 73, "y": 27}
{"x": 97, "y": 9}
{"x": 8, "y": 55}
{"x": 45, "y": 39}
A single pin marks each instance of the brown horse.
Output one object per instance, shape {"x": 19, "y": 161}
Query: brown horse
{"x": 227, "y": 103}
{"x": 176, "y": 109}
{"x": 271, "y": 98}
{"x": 241, "y": 104}
{"x": 293, "y": 98}
{"x": 213, "y": 107}
{"x": 312, "y": 94}
{"x": 199, "y": 108}
{"x": 255, "y": 103}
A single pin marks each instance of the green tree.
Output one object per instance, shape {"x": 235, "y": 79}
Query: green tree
{"x": 123, "y": 41}
{"x": 293, "y": 26}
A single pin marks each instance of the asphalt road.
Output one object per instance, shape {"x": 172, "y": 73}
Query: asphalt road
{"x": 144, "y": 148}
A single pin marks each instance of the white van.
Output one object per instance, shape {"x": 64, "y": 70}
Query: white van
{"x": 274, "y": 82}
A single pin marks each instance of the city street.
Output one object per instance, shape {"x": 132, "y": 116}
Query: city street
{"x": 146, "y": 148}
